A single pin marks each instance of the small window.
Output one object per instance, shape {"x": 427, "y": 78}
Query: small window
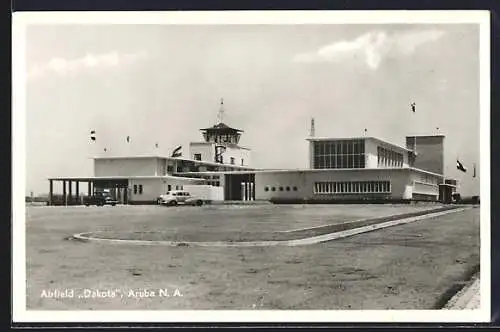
{"x": 273, "y": 189}
{"x": 232, "y": 160}
{"x": 170, "y": 169}
{"x": 140, "y": 189}
{"x": 197, "y": 156}
{"x": 287, "y": 188}
{"x": 294, "y": 188}
{"x": 266, "y": 188}
{"x": 169, "y": 187}
{"x": 242, "y": 162}
{"x": 135, "y": 189}
{"x": 217, "y": 183}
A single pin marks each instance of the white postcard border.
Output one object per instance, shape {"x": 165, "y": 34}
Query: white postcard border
{"x": 23, "y": 19}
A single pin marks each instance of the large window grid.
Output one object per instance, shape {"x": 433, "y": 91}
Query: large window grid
{"x": 339, "y": 154}
{"x": 389, "y": 158}
{"x": 352, "y": 187}
{"x": 428, "y": 179}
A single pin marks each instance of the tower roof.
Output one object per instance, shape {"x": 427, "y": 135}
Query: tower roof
{"x": 222, "y": 127}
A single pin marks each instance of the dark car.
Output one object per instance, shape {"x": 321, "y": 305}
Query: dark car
{"x": 100, "y": 199}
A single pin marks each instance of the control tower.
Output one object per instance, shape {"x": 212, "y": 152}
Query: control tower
{"x": 221, "y": 144}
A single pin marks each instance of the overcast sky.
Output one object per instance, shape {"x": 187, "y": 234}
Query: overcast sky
{"x": 162, "y": 84}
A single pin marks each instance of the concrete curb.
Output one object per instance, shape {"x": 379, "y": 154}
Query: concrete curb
{"x": 467, "y": 298}
{"x": 305, "y": 241}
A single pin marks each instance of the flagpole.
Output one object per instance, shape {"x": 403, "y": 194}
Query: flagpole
{"x": 413, "y": 108}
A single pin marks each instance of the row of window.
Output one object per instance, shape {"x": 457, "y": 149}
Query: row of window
{"x": 339, "y": 161}
{"x": 197, "y": 156}
{"x": 428, "y": 179}
{"x": 177, "y": 187}
{"x": 352, "y": 187}
{"x": 232, "y": 161}
{"x": 389, "y": 158}
{"x": 137, "y": 188}
{"x": 280, "y": 188}
{"x": 339, "y": 147}
{"x": 181, "y": 169}
{"x": 208, "y": 177}
{"x": 339, "y": 154}
{"x": 228, "y": 138}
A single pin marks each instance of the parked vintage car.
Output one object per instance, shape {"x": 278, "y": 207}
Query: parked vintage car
{"x": 100, "y": 199}
{"x": 179, "y": 197}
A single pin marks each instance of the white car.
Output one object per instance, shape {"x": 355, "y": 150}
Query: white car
{"x": 177, "y": 197}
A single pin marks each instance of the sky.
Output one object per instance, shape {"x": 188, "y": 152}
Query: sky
{"x": 162, "y": 83}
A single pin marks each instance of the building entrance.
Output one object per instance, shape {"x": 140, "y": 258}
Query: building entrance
{"x": 239, "y": 187}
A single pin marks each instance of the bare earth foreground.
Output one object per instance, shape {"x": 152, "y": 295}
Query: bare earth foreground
{"x": 411, "y": 266}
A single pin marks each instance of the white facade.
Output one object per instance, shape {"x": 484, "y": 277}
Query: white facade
{"x": 235, "y": 155}
{"x": 403, "y": 183}
{"x": 146, "y": 166}
{"x": 349, "y": 168}
{"x": 148, "y": 189}
{"x": 371, "y": 146}
{"x": 206, "y": 152}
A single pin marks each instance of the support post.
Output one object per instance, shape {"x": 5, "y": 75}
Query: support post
{"x": 65, "y": 201}
{"x": 253, "y": 191}
{"x": 89, "y": 188}
{"x": 51, "y": 191}
{"x": 77, "y": 191}
{"x": 247, "y": 189}
{"x": 70, "y": 192}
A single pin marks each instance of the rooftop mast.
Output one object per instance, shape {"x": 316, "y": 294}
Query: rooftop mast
{"x": 220, "y": 115}
{"x": 312, "y": 132}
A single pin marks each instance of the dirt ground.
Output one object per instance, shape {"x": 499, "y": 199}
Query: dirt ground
{"x": 409, "y": 266}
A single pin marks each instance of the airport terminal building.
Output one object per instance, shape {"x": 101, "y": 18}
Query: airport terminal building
{"x": 341, "y": 169}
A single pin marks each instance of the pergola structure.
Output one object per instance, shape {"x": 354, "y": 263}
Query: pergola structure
{"x": 73, "y": 198}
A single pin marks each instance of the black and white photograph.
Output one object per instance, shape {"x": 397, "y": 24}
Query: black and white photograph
{"x": 258, "y": 166}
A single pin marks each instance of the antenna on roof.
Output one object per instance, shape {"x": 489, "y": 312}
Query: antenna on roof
{"x": 312, "y": 132}
{"x": 220, "y": 115}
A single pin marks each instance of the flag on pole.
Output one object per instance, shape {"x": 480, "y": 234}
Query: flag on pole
{"x": 177, "y": 152}
{"x": 156, "y": 145}
{"x": 412, "y": 105}
{"x": 105, "y": 149}
{"x": 461, "y": 167}
{"x": 128, "y": 139}
{"x": 474, "y": 174}
{"x": 92, "y": 135}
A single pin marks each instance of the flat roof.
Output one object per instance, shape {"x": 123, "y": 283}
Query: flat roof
{"x": 437, "y": 135}
{"x": 315, "y": 139}
{"x": 111, "y": 178}
{"x": 209, "y": 163}
{"x": 309, "y": 170}
{"x": 104, "y": 178}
